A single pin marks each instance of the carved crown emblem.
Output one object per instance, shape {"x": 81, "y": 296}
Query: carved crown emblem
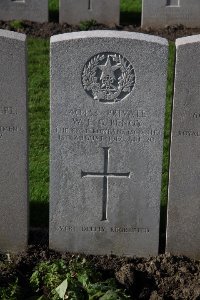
{"x": 108, "y": 77}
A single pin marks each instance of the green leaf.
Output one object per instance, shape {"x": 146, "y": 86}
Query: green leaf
{"x": 83, "y": 279}
{"x": 111, "y": 295}
{"x": 96, "y": 296}
{"x": 62, "y": 288}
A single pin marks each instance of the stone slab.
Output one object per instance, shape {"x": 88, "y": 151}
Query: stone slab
{"x": 103, "y": 11}
{"x": 31, "y": 10}
{"x": 13, "y": 142}
{"x": 161, "y": 13}
{"x": 183, "y": 235}
{"x": 107, "y": 114}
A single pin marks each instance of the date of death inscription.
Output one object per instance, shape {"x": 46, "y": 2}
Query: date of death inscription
{"x": 111, "y": 126}
{"x": 103, "y": 229}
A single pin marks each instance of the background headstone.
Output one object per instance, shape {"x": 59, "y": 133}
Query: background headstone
{"x": 107, "y": 114}
{"x": 183, "y": 235}
{"x": 161, "y": 13}
{"x": 31, "y": 10}
{"x": 102, "y": 11}
{"x": 13, "y": 142}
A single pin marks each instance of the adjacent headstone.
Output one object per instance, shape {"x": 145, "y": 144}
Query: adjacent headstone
{"x": 31, "y": 10}
{"x": 107, "y": 115}
{"x": 183, "y": 235}
{"x": 13, "y": 142}
{"x": 102, "y": 11}
{"x": 161, "y": 13}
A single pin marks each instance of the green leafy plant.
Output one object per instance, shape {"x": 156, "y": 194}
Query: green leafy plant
{"x": 16, "y": 24}
{"x": 11, "y": 292}
{"x": 74, "y": 281}
{"x": 87, "y": 25}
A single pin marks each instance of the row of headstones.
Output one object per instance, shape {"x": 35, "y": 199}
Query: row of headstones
{"x": 155, "y": 13}
{"x": 70, "y": 11}
{"x": 108, "y": 93}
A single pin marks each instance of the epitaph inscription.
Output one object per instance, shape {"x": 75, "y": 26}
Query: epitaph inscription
{"x": 103, "y": 229}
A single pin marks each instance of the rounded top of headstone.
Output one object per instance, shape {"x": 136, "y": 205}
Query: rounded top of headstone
{"x": 109, "y": 34}
{"x": 12, "y": 35}
{"x": 188, "y": 40}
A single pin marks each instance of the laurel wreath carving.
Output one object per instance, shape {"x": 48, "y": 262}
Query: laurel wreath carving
{"x": 127, "y": 79}
{"x": 125, "y": 82}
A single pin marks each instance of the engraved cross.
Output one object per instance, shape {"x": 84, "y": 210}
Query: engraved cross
{"x": 22, "y": 1}
{"x": 90, "y": 4}
{"x": 105, "y": 175}
{"x": 173, "y": 3}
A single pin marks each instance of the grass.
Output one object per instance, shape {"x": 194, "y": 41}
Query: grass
{"x": 166, "y": 146}
{"x": 126, "y": 5}
{"x": 130, "y": 11}
{"x": 54, "y": 10}
{"x": 168, "y": 123}
{"x": 38, "y": 74}
{"x": 38, "y": 57}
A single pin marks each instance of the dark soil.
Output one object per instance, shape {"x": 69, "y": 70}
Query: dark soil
{"x": 155, "y": 278}
{"x": 46, "y": 30}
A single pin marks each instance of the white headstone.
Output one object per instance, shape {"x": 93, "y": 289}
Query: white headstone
{"x": 161, "y": 13}
{"x": 13, "y": 142}
{"x": 31, "y": 10}
{"x": 102, "y": 11}
{"x": 183, "y": 235}
{"x": 107, "y": 116}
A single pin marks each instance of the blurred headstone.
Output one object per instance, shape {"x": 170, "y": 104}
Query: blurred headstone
{"x": 31, "y": 10}
{"x": 102, "y": 11}
{"x": 184, "y": 189}
{"x": 13, "y": 143}
{"x": 162, "y": 13}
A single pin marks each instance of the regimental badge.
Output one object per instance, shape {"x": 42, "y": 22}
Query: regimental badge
{"x": 108, "y": 77}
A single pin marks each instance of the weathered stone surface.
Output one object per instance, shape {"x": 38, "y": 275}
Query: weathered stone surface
{"x": 13, "y": 142}
{"x": 107, "y": 113}
{"x": 161, "y": 13}
{"x": 184, "y": 189}
{"x": 32, "y": 10}
{"x": 103, "y": 11}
